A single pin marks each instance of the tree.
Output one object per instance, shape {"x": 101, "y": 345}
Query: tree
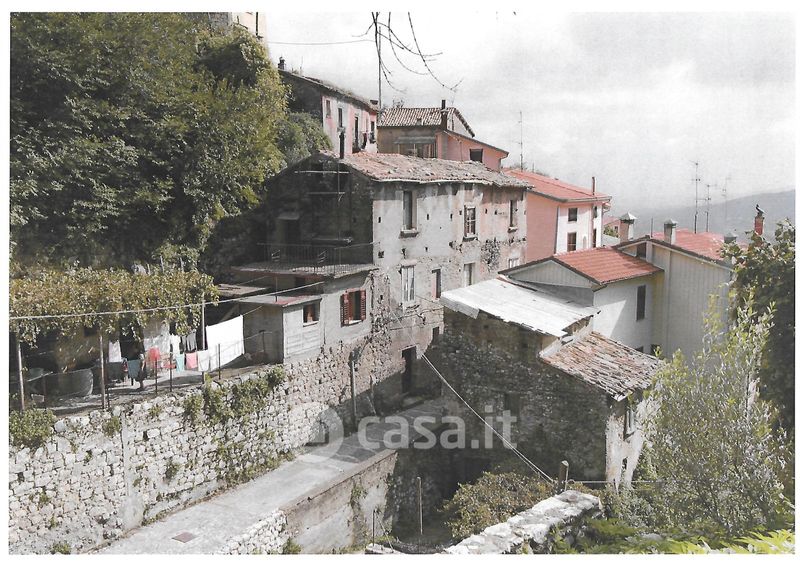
{"x": 712, "y": 446}
{"x": 765, "y": 270}
{"x": 133, "y": 134}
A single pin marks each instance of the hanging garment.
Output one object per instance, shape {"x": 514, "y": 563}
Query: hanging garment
{"x": 179, "y": 362}
{"x": 114, "y": 352}
{"x": 175, "y": 342}
{"x": 191, "y": 360}
{"x": 205, "y": 361}
{"x": 191, "y": 342}
{"x": 133, "y": 369}
{"x": 225, "y": 341}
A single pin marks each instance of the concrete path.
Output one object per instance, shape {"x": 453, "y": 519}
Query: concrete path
{"x": 208, "y": 525}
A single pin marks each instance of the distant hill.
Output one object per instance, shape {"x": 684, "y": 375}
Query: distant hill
{"x": 740, "y": 213}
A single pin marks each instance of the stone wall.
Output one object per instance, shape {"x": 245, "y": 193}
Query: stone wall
{"x": 102, "y": 474}
{"x": 534, "y": 530}
{"x": 494, "y": 364}
{"x": 268, "y": 536}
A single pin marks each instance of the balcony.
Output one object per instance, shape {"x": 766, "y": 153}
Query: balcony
{"x": 315, "y": 259}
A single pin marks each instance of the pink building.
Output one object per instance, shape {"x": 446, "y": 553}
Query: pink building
{"x": 338, "y": 110}
{"x": 434, "y": 132}
{"x": 561, "y": 217}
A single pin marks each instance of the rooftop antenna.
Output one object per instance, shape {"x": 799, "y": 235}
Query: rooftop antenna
{"x": 725, "y": 198}
{"x": 696, "y": 193}
{"x": 708, "y": 201}
{"x": 521, "y": 166}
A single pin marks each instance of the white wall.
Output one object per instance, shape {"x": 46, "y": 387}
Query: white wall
{"x": 617, "y": 316}
{"x": 582, "y": 226}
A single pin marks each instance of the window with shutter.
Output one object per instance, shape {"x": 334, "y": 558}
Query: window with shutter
{"x": 363, "y": 304}
{"x": 345, "y": 308}
{"x": 354, "y": 306}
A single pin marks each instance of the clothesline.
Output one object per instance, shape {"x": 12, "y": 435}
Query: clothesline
{"x": 154, "y": 309}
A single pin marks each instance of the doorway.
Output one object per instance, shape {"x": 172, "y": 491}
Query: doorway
{"x": 409, "y": 357}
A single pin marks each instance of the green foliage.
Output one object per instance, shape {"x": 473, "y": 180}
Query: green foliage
{"x": 713, "y": 450}
{"x": 251, "y": 395}
{"x": 492, "y": 499}
{"x": 86, "y": 290}
{"x": 765, "y": 270}
{"x": 31, "y": 428}
{"x": 291, "y": 547}
{"x": 61, "y": 548}
{"x": 112, "y": 426}
{"x": 155, "y": 411}
{"x": 192, "y": 408}
{"x": 215, "y": 405}
{"x": 172, "y": 470}
{"x": 132, "y": 134}
{"x": 44, "y": 499}
{"x": 300, "y": 135}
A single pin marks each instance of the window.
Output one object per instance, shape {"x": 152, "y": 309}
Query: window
{"x": 354, "y": 306}
{"x": 341, "y": 118}
{"x": 437, "y": 283}
{"x": 572, "y": 215}
{"x": 469, "y": 221}
{"x": 372, "y": 131}
{"x": 511, "y": 403}
{"x": 572, "y": 241}
{"x": 409, "y": 215}
{"x": 641, "y": 299}
{"x": 327, "y": 108}
{"x": 630, "y": 416}
{"x": 311, "y": 313}
{"x": 595, "y": 211}
{"x": 512, "y": 214}
{"x": 355, "y": 129}
{"x": 476, "y": 155}
{"x": 469, "y": 274}
{"x": 513, "y": 262}
{"x": 435, "y": 335}
{"x": 594, "y": 238}
{"x": 407, "y": 276}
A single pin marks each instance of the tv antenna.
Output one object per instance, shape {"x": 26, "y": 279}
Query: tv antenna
{"x": 521, "y": 165}
{"x": 696, "y": 180}
{"x": 725, "y": 198}
{"x": 707, "y": 200}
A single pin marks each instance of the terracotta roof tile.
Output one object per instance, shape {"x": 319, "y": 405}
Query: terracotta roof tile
{"x": 705, "y": 244}
{"x": 613, "y": 367}
{"x": 409, "y": 117}
{"x": 605, "y": 265}
{"x": 555, "y": 189}
{"x": 395, "y": 167}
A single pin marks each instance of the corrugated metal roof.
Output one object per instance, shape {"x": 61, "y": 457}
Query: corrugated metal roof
{"x": 395, "y": 167}
{"x": 533, "y": 309}
{"x": 613, "y": 367}
{"x": 555, "y": 189}
{"x": 399, "y": 117}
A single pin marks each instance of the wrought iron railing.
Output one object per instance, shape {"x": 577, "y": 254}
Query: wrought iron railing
{"x": 316, "y": 258}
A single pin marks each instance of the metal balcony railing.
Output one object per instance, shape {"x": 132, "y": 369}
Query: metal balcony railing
{"x": 318, "y": 259}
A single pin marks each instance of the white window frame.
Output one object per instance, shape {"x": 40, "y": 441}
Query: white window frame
{"x": 474, "y": 221}
{"x": 407, "y": 276}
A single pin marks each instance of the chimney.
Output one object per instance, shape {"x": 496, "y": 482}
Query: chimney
{"x": 593, "y": 185}
{"x": 758, "y": 226}
{"x": 282, "y": 64}
{"x": 341, "y": 144}
{"x": 730, "y": 237}
{"x": 670, "y": 231}
{"x": 626, "y": 227}
{"x": 444, "y": 114}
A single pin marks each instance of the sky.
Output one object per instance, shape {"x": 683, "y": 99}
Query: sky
{"x": 630, "y": 98}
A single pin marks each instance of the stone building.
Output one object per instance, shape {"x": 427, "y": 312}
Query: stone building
{"x": 339, "y": 111}
{"x": 575, "y": 394}
{"x": 567, "y": 217}
{"x": 373, "y": 240}
{"x": 254, "y": 22}
{"x": 434, "y": 132}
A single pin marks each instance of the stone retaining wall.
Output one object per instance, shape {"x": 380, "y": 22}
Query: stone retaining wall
{"x": 533, "y": 531}
{"x": 103, "y": 474}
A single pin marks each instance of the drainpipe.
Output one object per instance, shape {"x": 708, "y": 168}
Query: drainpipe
{"x": 353, "y": 408}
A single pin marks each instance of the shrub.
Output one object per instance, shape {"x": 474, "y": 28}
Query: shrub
{"x": 291, "y": 547}
{"x": 192, "y": 407}
{"x": 61, "y": 548}
{"x": 31, "y": 428}
{"x": 112, "y": 426}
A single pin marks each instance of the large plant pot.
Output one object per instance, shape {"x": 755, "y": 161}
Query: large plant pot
{"x": 78, "y": 383}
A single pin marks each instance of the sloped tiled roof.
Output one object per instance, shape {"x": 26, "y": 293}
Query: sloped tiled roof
{"x": 601, "y": 265}
{"x": 599, "y": 361}
{"x": 703, "y": 244}
{"x": 399, "y": 117}
{"x": 394, "y": 167}
{"x": 555, "y": 189}
{"x": 329, "y": 87}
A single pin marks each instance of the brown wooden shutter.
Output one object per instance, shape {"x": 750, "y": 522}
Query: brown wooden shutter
{"x": 345, "y": 310}
{"x": 363, "y": 304}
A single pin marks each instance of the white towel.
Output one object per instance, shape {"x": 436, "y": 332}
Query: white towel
{"x": 175, "y": 342}
{"x": 114, "y": 352}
